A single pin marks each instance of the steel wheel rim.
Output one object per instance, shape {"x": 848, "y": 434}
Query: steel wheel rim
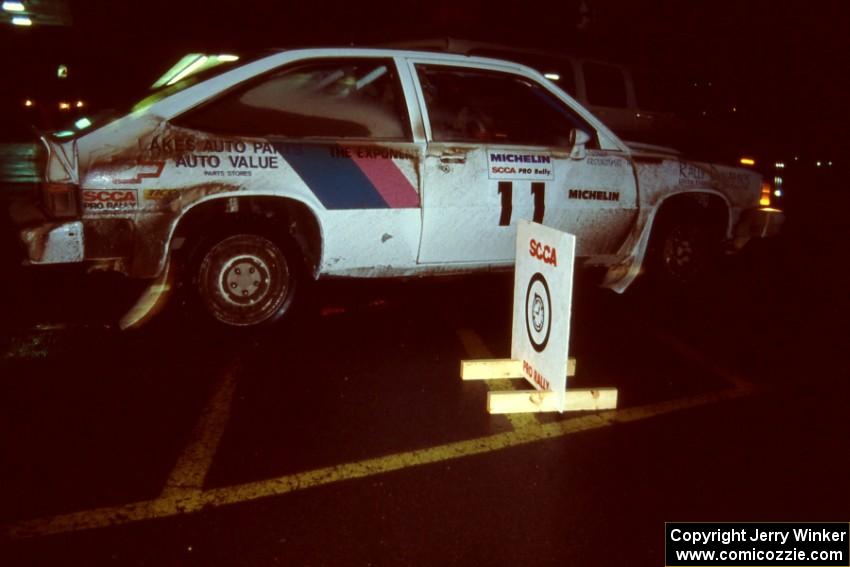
{"x": 680, "y": 253}
{"x": 245, "y": 280}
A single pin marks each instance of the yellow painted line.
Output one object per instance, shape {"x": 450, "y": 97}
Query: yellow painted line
{"x": 191, "y": 468}
{"x": 475, "y": 349}
{"x": 194, "y": 501}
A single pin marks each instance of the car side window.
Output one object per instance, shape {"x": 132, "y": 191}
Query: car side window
{"x": 342, "y": 98}
{"x": 477, "y": 105}
{"x": 605, "y": 85}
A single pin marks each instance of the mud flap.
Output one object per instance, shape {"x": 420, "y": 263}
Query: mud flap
{"x": 151, "y": 302}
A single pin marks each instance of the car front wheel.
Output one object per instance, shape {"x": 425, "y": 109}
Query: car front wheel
{"x": 683, "y": 251}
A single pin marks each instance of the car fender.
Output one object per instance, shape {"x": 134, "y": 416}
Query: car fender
{"x": 158, "y": 235}
{"x": 620, "y": 276}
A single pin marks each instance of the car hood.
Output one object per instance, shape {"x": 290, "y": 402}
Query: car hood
{"x": 652, "y": 149}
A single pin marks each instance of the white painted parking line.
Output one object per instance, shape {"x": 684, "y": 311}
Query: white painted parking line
{"x": 178, "y": 503}
{"x": 191, "y": 469}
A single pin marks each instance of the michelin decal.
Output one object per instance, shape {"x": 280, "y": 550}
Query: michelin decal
{"x": 519, "y": 165}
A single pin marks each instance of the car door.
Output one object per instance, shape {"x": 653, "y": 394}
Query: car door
{"x": 498, "y": 150}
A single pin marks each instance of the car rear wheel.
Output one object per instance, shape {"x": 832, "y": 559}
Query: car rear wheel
{"x": 246, "y": 279}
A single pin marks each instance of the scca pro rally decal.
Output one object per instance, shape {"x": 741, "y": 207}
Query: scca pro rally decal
{"x": 352, "y": 178}
{"x": 519, "y": 165}
{"x": 111, "y": 200}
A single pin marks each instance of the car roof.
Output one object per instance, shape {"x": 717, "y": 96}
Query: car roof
{"x": 176, "y": 103}
{"x": 347, "y": 51}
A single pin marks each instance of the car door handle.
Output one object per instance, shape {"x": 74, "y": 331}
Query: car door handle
{"x": 452, "y": 158}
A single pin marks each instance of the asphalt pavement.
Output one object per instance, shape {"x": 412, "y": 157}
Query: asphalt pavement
{"x": 348, "y": 438}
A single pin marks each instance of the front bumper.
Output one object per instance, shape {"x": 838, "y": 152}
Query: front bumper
{"x": 757, "y": 223}
{"x": 54, "y": 243}
{"x": 761, "y": 223}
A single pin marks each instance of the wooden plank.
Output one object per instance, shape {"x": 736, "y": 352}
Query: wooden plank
{"x": 490, "y": 369}
{"x": 532, "y": 401}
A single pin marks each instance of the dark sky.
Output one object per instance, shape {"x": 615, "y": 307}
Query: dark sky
{"x": 788, "y": 58}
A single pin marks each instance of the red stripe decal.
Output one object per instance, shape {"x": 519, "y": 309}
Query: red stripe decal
{"x": 390, "y": 182}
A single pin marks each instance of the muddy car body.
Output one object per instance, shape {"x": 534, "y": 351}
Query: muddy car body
{"x": 367, "y": 163}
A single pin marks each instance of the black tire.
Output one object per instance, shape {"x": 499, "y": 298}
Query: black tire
{"x": 684, "y": 250}
{"x": 247, "y": 277}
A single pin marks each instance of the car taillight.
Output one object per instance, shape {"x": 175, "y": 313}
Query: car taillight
{"x": 60, "y": 199}
{"x": 764, "y": 200}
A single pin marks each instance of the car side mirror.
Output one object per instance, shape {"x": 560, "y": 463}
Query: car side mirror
{"x": 578, "y": 139}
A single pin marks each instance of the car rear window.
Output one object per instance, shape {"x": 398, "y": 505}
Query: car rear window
{"x": 324, "y": 98}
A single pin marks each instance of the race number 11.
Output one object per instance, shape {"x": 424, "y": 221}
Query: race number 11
{"x": 538, "y": 191}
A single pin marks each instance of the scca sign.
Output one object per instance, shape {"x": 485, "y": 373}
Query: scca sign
{"x": 548, "y": 254}
{"x": 543, "y": 288}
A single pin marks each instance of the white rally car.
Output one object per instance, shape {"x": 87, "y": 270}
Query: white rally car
{"x": 257, "y": 176}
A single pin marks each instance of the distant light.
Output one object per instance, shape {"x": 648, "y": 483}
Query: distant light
{"x": 747, "y": 161}
{"x": 552, "y": 76}
{"x": 184, "y": 62}
{"x": 190, "y": 64}
{"x": 818, "y": 164}
{"x": 64, "y": 106}
{"x": 82, "y": 123}
{"x": 28, "y": 103}
{"x": 796, "y": 158}
{"x": 780, "y": 165}
{"x": 13, "y": 6}
{"x": 777, "y": 193}
{"x": 80, "y": 104}
{"x": 21, "y": 21}
{"x": 764, "y": 199}
{"x": 64, "y": 133}
{"x": 62, "y": 71}
{"x": 199, "y": 62}
{"x": 734, "y": 109}
{"x": 829, "y": 164}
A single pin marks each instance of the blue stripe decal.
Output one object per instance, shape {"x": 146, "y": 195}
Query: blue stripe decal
{"x": 334, "y": 179}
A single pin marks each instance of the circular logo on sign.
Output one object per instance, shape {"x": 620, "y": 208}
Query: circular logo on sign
{"x": 538, "y": 312}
